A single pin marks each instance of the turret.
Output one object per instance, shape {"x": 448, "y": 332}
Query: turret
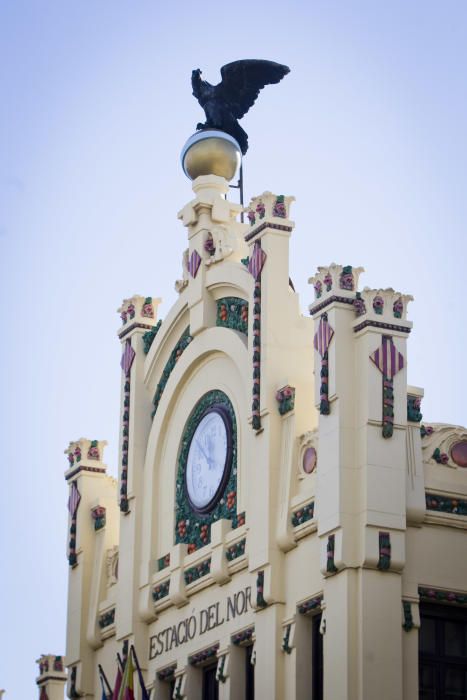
{"x": 51, "y": 679}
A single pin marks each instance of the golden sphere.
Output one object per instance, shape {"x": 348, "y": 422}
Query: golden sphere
{"x": 211, "y": 152}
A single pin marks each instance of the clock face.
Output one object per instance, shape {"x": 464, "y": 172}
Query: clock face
{"x": 208, "y": 461}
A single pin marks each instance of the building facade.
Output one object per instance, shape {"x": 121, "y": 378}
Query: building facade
{"x": 284, "y": 525}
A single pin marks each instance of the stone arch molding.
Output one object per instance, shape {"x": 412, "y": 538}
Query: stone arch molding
{"x": 437, "y": 443}
{"x": 216, "y": 359}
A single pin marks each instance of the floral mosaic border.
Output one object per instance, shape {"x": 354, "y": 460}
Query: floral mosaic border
{"x": 198, "y": 571}
{"x": 178, "y": 350}
{"x": 437, "y": 596}
{"x": 303, "y": 514}
{"x": 194, "y": 528}
{"x": 235, "y": 550}
{"x": 161, "y": 591}
{"x": 107, "y": 618}
{"x": 310, "y": 604}
{"x": 232, "y": 312}
{"x": 446, "y": 504}
{"x": 243, "y": 637}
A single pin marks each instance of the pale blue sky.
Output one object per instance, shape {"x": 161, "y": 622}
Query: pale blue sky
{"x": 367, "y": 131}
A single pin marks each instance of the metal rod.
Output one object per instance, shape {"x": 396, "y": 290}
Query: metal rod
{"x": 240, "y": 183}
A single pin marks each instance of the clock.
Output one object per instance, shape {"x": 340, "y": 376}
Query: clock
{"x": 209, "y": 459}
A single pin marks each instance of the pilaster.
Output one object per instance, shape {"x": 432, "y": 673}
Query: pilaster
{"x": 139, "y": 317}
{"x": 86, "y": 477}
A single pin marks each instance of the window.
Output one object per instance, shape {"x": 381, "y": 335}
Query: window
{"x": 308, "y": 643}
{"x": 317, "y": 658}
{"x": 249, "y": 674}
{"x": 210, "y": 684}
{"x": 442, "y": 653}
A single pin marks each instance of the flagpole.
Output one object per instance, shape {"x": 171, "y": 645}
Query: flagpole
{"x": 145, "y": 695}
{"x": 102, "y": 673}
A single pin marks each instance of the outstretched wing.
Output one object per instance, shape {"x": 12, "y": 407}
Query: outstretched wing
{"x": 242, "y": 81}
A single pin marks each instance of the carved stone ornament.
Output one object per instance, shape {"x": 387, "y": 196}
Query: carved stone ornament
{"x": 333, "y": 280}
{"x": 138, "y": 309}
{"x": 445, "y": 445}
{"x": 387, "y": 304}
{"x": 268, "y": 206}
{"x": 219, "y": 243}
{"x": 111, "y": 566}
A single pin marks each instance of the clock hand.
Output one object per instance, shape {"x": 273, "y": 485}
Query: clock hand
{"x": 204, "y": 453}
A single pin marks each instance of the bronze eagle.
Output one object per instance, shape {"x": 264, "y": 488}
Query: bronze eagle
{"x": 231, "y": 99}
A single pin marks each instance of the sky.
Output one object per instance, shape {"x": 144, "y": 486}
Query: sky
{"x": 368, "y": 132}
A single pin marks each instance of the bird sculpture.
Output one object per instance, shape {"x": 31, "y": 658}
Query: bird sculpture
{"x": 224, "y": 104}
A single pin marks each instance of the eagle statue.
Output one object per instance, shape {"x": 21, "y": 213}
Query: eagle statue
{"x": 224, "y": 104}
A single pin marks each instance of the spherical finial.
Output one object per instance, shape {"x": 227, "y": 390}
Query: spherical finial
{"x": 211, "y": 152}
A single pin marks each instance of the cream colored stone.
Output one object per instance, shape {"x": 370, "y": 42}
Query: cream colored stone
{"x": 363, "y": 485}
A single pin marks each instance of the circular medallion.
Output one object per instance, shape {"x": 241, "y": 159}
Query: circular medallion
{"x": 459, "y": 453}
{"x": 209, "y": 459}
{"x": 309, "y": 460}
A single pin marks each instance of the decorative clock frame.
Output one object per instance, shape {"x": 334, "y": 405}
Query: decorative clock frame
{"x": 192, "y": 526}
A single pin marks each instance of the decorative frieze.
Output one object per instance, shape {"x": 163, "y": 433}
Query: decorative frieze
{"x": 198, "y": 571}
{"x": 303, "y": 514}
{"x": 389, "y": 362}
{"x": 446, "y": 504}
{"x": 244, "y": 637}
{"x": 137, "y": 312}
{"x": 149, "y": 336}
{"x": 126, "y": 364}
{"x": 98, "y": 514}
{"x": 167, "y": 674}
{"x": 161, "y": 591}
{"x": 285, "y": 398}
{"x": 384, "y": 561}
{"x": 439, "y": 596}
{"x": 267, "y": 206}
{"x": 408, "y": 623}
{"x": 414, "y": 404}
{"x": 286, "y": 638}
{"x": 202, "y": 656}
{"x": 235, "y": 550}
{"x": 331, "y": 279}
{"x": 331, "y": 568}
{"x": 232, "y": 312}
{"x": 107, "y": 618}
{"x": 260, "y": 601}
{"x": 238, "y": 520}
{"x": 310, "y": 604}
{"x": 255, "y": 266}
{"x": 445, "y": 445}
{"x": 175, "y": 355}
{"x": 440, "y": 457}
{"x": 163, "y": 562}
{"x": 73, "y": 503}
{"x": 322, "y": 339}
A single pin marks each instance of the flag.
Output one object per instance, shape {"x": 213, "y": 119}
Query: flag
{"x": 144, "y": 692}
{"x": 118, "y": 683}
{"x": 126, "y": 689}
